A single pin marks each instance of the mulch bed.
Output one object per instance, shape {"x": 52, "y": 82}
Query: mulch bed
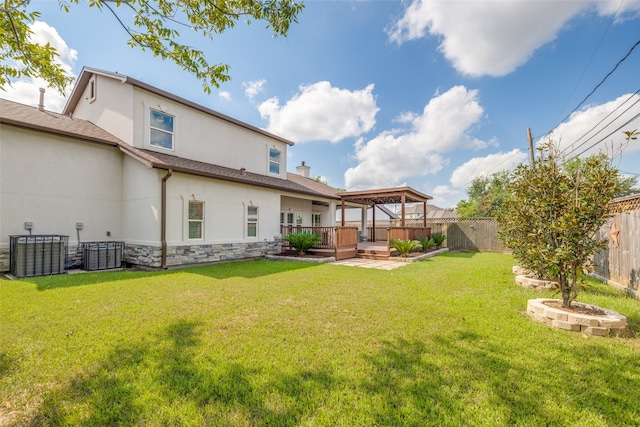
{"x": 577, "y": 307}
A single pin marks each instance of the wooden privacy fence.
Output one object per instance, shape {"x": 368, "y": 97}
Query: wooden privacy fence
{"x": 619, "y": 263}
{"x": 468, "y": 234}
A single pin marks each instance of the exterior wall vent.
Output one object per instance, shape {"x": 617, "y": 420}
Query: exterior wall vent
{"x": 37, "y": 255}
{"x": 102, "y": 255}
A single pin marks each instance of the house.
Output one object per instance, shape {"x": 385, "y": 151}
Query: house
{"x": 434, "y": 212}
{"x": 177, "y": 182}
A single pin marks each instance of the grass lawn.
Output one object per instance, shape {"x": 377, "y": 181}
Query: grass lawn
{"x": 439, "y": 342}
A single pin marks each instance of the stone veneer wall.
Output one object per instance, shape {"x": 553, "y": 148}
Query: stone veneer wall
{"x": 4, "y": 260}
{"x": 151, "y": 256}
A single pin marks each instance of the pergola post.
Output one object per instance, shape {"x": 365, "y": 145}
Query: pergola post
{"x": 373, "y": 225}
{"x": 424, "y": 214}
{"x": 363, "y": 222}
{"x": 402, "y": 200}
{"x": 342, "y": 217}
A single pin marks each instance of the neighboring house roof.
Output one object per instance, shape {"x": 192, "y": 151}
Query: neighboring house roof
{"x": 28, "y": 117}
{"x": 85, "y": 76}
{"x": 433, "y": 212}
{"x": 355, "y": 214}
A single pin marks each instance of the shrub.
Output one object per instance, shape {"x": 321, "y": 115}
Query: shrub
{"x": 302, "y": 241}
{"x": 438, "y": 239}
{"x": 425, "y": 242}
{"x": 404, "y": 247}
{"x": 552, "y": 216}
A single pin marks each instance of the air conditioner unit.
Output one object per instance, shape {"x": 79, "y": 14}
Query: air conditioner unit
{"x": 37, "y": 255}
{"x": 102, "y": 255}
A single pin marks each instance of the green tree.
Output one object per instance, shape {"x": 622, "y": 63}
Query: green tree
{"x": 485, "y": 196}
{"x": 626, "y": 185}
{"x": 553, "y": 214}
{"x": 151, "y": 28}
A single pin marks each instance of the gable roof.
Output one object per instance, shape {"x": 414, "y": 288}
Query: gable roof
{"x": 87, "y": 72}
{"x": 27, "y": 117}
{"x": 314, "y": 185}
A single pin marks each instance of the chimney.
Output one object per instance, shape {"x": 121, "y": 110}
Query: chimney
{"x": 41, "y": 104}
{"x": 303, "y": 170}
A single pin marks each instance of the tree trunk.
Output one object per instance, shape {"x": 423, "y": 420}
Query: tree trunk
{"x": 566, "y": 290}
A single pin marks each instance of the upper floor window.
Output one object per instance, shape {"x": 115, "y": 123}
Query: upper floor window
{"x": 252, "y": 221}
{"x": 275, "y": 157}
{"x": 161, "y": 130}
{"x": 196, "y": 219}
{"x": 91, "y": 96}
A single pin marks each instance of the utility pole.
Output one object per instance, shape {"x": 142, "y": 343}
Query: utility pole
{"x": 531, "y": 157}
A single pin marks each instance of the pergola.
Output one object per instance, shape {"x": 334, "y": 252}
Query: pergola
{"x": 385, "y": 196}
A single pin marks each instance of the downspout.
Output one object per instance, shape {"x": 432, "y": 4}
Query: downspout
{"x": 163, "y": 220}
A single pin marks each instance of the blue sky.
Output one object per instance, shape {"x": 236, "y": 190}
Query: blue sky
{"x": 428, "y": 94}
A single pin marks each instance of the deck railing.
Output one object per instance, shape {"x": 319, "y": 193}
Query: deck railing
{"x": 326, "y": 235}
{"x": 405, "y": 233}
{"x": 341, "y": 242}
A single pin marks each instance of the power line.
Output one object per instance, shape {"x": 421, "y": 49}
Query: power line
{"x": 598, "y": 85}
{"x": 613, "y": 18}
{"x": 574, "y": 148}
{"x": 608, "y": 135}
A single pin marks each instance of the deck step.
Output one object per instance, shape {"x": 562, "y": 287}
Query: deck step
{"x": 375, "y": 254}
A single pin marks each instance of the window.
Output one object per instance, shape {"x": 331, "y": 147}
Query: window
{"x": 274, "y": 161}
{"x": 161, "y": 130}
{"x": 252, "y": 221}
{"x": 92, "y": 89}
{"x": 316, "y": 220}
{"x": 286, "y": 219}
{"x": 196, "y": 219}
{"x": 298, "y": 219}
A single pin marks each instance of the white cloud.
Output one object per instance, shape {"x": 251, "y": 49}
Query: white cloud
{"x": 252, "y": 89}
{"x": 27, "y": 91}
{"x": 483, "y": 166}
{"x": 493, "y": 37}
{"x": 587, "y": 130}
{"x": 393, "y": 156}
{"x": 223, "y": 94}
{"x": 320, "y": 111}
{"x": 445, "y": 196}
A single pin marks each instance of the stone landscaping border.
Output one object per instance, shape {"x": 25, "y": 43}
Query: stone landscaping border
{"x": 531, "y": 283}
{"x": 419, "y": 257}
{"x": 316, "y": 260}
{"x": 610, "y": 323}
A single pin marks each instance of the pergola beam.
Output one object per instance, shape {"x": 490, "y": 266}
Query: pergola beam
{"x": 385, "y": 196}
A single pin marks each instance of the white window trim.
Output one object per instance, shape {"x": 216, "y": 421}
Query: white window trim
{"x": 252, "y": 219}
{"x": 269, "y": 161}
{"x": 93, "y": 89}
{"x": 189, "y": 220}
{"x": 150, "y": 127}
